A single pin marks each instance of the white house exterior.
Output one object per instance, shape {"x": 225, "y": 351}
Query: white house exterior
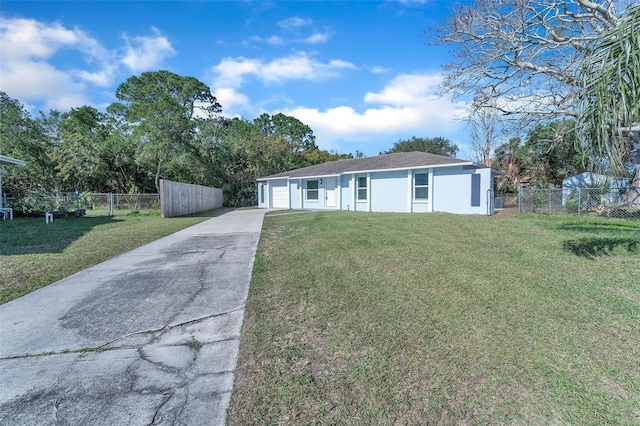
{"x": 401, "y": 182}
{"x": 618, "y": 190}
{"x": 585, "y": 179}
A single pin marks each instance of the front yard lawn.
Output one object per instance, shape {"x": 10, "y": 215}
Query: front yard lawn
{"x": 357, "y": 318}
{"x": 34, "y": 254}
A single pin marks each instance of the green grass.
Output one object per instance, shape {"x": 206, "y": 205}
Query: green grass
{"x": 34, "y": 254}
{"x": 356, "y": 318}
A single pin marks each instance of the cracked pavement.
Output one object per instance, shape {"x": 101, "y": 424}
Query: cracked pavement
{"x": 148, "y": 338}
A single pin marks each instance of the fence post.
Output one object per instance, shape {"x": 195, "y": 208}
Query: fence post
{"x": 520, "y": 200}
{"x": 110, "y": 204}
{"x": 579, "y": 200}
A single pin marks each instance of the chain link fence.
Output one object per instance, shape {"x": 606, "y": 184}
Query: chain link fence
{"x": 576, "y": 201}
{"x": 82, "y": 203}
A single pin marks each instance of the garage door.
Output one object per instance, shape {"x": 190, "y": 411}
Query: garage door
{"x": 280, "y": 195}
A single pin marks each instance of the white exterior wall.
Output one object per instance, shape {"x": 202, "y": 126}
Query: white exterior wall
{"x": 346, "y": 192}
{"x": 452, "y": 190}
{"x": 388, "y": 191}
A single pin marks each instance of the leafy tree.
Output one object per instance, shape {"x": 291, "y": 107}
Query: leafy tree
{"x": 24, "y": 138}
{"x": 117, "y": 153}
{"x": 437, "y": 145}
{"x": 81, "y": 135}
{"x": 163, "y": 106}
{"x": 509, "y": 157}
{"x": 609, "y": 110}
{"x": 547, "y": 157}
{"x": 237, "y": 161}
{"x": 244, "y": 150}
{"x": 319, "y": 156}
{"x": 552, "y": 153}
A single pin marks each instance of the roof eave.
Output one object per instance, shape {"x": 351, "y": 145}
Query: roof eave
{"x": 395, "y": 169}
{"x": 8, "y": 160}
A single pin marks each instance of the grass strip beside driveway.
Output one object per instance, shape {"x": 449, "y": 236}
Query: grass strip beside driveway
{"x": 34, "y": 254}
{"x": 357, "y": 318}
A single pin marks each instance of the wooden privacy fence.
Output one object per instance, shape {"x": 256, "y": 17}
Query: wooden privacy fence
{"x": 178, "y": 199}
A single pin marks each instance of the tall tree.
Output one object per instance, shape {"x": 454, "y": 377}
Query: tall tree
{"x": 551, "y": 153}
{"x": 437, "y": 145}
{"x": 81, "y": 135}
{"x": 609, "y": 106}
{"x": 25, "y": 138}
{"x": 163, "y": 107}
{"x": 509, "y": 158}
{"x": 523, "y": 53}
{"x": 484, "y": 125}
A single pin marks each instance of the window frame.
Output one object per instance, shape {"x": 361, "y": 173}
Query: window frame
{"x": 315, "y": 190}
{"x": 421, "y": 186}
{"x": 362, "y": 188}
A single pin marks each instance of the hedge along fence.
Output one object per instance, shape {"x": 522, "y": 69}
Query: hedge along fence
{"x": 179, "y": 199}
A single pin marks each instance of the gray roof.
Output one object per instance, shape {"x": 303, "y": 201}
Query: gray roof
{"x": 400, "y": 160}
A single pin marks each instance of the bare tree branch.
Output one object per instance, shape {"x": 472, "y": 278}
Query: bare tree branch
{"x": 526, "y": 53}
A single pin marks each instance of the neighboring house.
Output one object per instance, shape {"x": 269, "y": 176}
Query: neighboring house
{"x": 584, "y": 180}
{"x": 400, "y": 182}
{"x": 618, "y": 186}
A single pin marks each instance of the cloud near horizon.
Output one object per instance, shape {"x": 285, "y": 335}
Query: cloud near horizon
{"x": 408, "y": 105}
{"x": 29, "y": 45}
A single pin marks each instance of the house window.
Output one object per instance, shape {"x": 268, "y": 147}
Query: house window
{"x": 421, "y": 186}
{"x": 312, "y": 190}
{"x": 362, "y": 189}
{"x": 262, "y": 185}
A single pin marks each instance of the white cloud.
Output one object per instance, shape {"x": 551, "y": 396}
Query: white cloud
{"x": 230, "y": 72}
{"x": 37, "y": 80}
{"x": 229, "y": 98}
{"x": 294, "y": 22}
{"x": 275, "y": 40}
{"x": 407, "y": 105}
{"x": 379, "y": 70}
{"x": 146, "y": 52}
{"x": 407, "y": 89}
{"x": 28, "y": 47}
{"x": 318, "y": 38}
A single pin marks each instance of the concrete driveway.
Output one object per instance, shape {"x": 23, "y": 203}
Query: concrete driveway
{"x": 149, "y": 337}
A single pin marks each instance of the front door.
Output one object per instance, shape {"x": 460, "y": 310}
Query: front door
{"x": 330, "y": 192}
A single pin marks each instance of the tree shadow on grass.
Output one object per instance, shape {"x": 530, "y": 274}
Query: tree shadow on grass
{"x": 32, "y": 235}
{"x": 593, "y": 247}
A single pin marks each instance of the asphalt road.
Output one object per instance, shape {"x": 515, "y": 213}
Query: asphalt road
{"x": 149, "y": 337}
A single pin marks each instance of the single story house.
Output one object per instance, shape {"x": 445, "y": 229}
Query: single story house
{"x": 400, "y": 182}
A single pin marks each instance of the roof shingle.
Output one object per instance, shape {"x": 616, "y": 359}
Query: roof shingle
{"x": 399, "y": 160}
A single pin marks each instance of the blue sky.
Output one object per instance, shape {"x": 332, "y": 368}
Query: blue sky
{"x": 357, "y": 72}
